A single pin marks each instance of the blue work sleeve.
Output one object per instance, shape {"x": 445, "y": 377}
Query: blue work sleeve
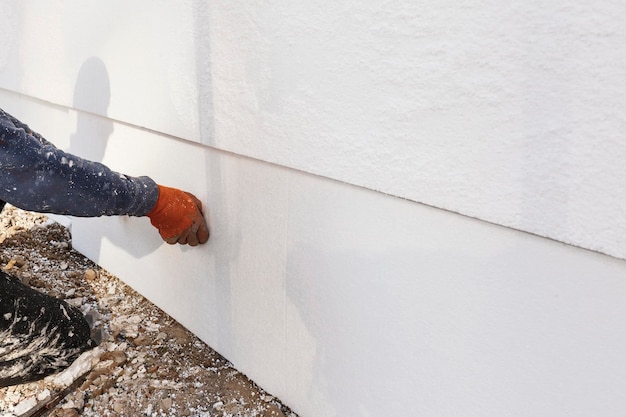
{"x": 37, "y": 176}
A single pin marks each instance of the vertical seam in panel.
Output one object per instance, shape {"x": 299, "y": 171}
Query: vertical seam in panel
{"x": 287, "y": 233}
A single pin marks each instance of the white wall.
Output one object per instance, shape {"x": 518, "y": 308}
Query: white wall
{"x": 505, "y": 113}
{"x": 281, "y": 116}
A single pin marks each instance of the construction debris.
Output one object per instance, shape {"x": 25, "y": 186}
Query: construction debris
{"x": 146, "y": 364}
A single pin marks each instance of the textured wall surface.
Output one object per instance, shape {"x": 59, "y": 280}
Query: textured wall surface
{"x": 508, "y": 113}
{"x": 299, "y": 124}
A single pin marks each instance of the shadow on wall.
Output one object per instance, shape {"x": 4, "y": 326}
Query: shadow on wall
{"x": 92, "y": 96}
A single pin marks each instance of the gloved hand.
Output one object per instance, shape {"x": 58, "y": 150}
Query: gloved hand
{"x": 178, "y": 217}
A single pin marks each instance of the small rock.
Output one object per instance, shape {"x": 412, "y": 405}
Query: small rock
{"x": 66, "y": 412}
{"x": 273, "y": 411}
{"x": 77, "y": 403}
{"x": 25, "y": 278}
{"x": 118, "y": 406}
{"x": 233, "y": 408}
{"x": 90, "y": 275}
{"x": 130, "y": 332}
{"x": 64, "y": 266}
{"x": 98, "y": 335}
{"x": 218, "y": 405}
{"x": 92, "y": 316}
{"x": 76, "y": 302}
{"x": 43, "y": 395}
{"x": 25, "y": 405}
{"x": 18, "y": 261}
{"x": 117, "y": 356}
{"x": 140, "y": 340}
{"x": 166, "y": 403}
{"x": 180, "y": 334}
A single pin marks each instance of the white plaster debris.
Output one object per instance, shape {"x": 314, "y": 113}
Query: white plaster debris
{"x": 165, "y": 384}
{"x": 83, "y": 364}
{"x": 25, "y": 405}
{"x": 43, "y": 395}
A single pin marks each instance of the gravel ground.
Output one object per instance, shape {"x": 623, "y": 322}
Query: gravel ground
{"x": 146, "y": 365}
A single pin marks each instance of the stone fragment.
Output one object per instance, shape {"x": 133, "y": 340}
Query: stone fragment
{"x": 272, "y": 411}
{"x": 90, "y": 275}
{"x": 25, "y": 277}
{"x": 10, "y": 265}
{"x": 140, "y": 340}
{"x": 25, "y": 405}
{"x": 66, "y": 412}
{"x": 181, "y": 335}
{"x": 43, "y": 395}
{"x": 76, "y": 402}
{"x": 118, "y": 406}
{"x": 166, "y": 403}
{"x": 117, "y": 356}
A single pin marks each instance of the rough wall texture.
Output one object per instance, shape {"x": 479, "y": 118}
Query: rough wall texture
{"x": 505, "y": 113}
{"x": 510, "y": 114}
{"x": 340, "y": 300}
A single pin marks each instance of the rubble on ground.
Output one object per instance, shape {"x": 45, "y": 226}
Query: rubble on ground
{"x": 146, "y": 364}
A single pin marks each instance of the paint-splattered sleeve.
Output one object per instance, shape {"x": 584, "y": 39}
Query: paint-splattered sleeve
{"x": 37, "y": 176}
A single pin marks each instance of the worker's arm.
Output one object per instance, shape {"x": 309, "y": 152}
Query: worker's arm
{"x": 37, "y": 176}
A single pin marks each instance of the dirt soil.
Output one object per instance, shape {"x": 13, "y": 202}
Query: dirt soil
{"x": 146, "y": 365}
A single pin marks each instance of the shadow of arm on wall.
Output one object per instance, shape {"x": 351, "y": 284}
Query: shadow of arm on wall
{"x": 92, "y": 96}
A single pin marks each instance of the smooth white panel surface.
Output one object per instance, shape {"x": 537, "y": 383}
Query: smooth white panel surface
{"x": 398, "y": 309}
{"x": 508, "y": 113}
{"x": 343, "y": 301}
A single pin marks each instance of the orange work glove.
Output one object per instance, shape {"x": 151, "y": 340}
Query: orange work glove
{"x": 178, "y": 217}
